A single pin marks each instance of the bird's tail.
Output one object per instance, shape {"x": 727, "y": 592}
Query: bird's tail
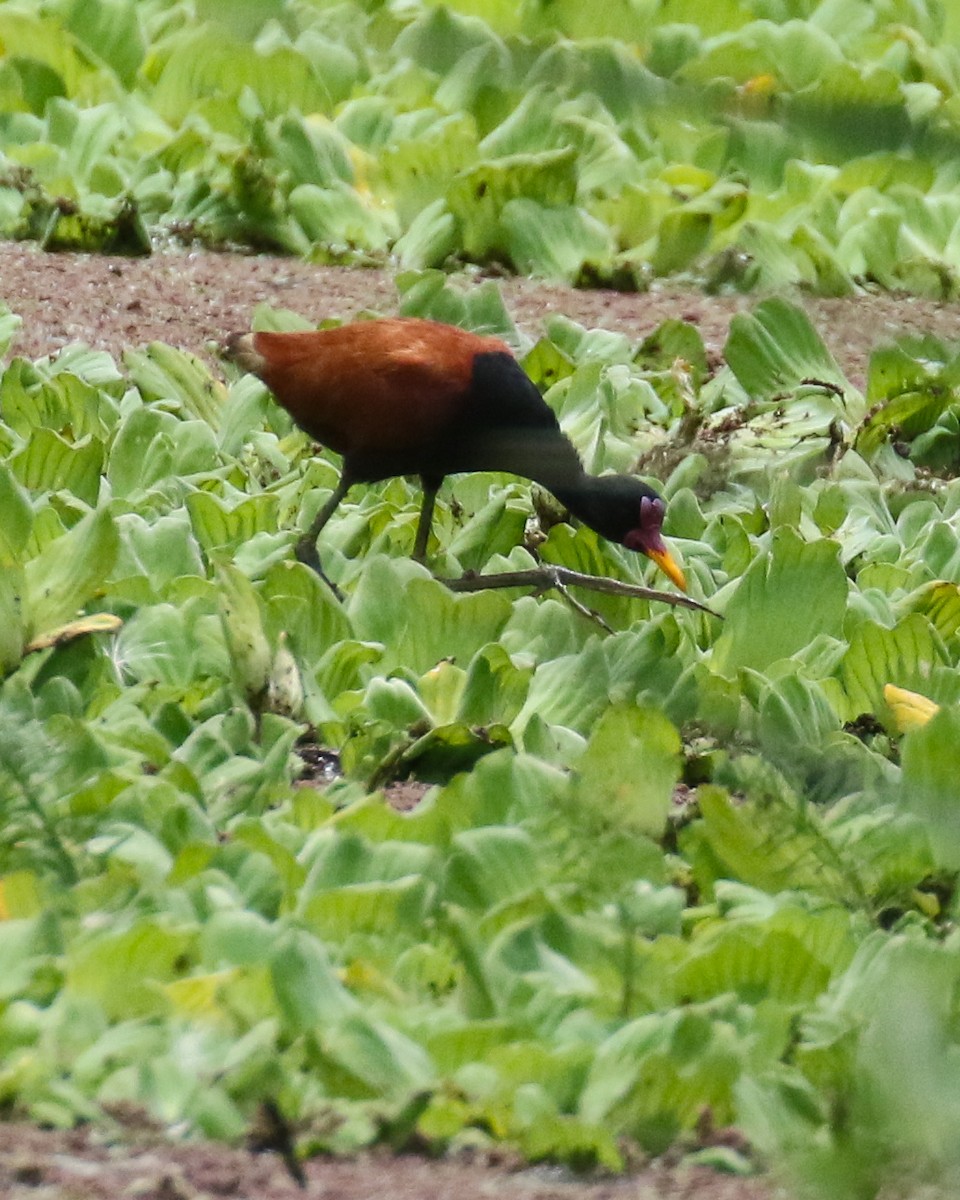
{"x": 239, "y": 348}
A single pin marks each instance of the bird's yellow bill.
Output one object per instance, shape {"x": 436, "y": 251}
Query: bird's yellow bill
{"x": 910, "y": 709}
{"x": 669, "y": 566}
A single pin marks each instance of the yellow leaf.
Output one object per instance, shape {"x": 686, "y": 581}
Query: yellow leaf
{"x": 910, "y": 709}
{"x": 200, "y": 995}
{"x": 94, "y": 623}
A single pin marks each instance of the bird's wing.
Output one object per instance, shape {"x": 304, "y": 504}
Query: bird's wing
{"x": 372, "y": 388}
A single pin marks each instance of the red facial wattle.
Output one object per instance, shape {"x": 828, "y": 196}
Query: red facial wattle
{"x": 648, "y": 540}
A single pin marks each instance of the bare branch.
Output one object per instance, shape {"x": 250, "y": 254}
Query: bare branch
{"x": 590, "y": 613}
{"x": 546, "y": 577}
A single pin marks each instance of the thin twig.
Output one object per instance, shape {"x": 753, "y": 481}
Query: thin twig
{"x": 590, "y": 613}
{"x": 542, "y": 578}
{"x": 826, "y": 384}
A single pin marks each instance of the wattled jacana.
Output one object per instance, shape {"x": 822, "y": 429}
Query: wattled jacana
{"x": 404, "y": 396}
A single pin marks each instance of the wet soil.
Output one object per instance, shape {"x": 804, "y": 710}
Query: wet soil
{"x": 193, "y": 300}
{"x": 86, "y": 1164}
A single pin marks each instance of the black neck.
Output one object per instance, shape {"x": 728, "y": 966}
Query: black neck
{"x": 585, "y": 497}
{"x": 610, "y": 504}
{"x": 545, "y": 456}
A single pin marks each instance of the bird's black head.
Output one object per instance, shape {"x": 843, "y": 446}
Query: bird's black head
{"x": 623, "y": 509}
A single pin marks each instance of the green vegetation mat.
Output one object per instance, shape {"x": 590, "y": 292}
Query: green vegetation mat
{"x": 559, "y": 946}
{"x": 745, "y": 142}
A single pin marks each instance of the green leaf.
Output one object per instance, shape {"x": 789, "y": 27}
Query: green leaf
{"x": 495, "y": 529}
{"x": 478, "y": 196}
{"x": 216, "y": 525}
{"x": 442, "y": 752}
{"x": 50, "y": 463}
{"x": 493, "y": 689}
{"x": 905, "y": 656}
{"x": 301, "y": 605}
{"x": 620, "y": 20}
{"x": 13, "y": 636}
{"x": 489, "y": 867}
{"x": 683, "y": 236}
{"x": 430, "y": 623}
{"x": 570, "y": 691}
{"x": 378, "y": 1058}
{"x": 244, "y": 19}
{"x": 17, "y": 519}
{"x": 160, "y": 552}
{"x": 674, "y": 340}
{"x": 338, "y": 218}
{"x": 906, "y": 416}
{"x": 775, "y": 348}
{"x": 308, "y": 993}
{"x": 111, "y": 31}
{"x": 789, "y": 958}
{"x": 197, "y": 63}
{"x": 438, "y": 38}
{"x": 236, "y": 938}
{"x": 630, "y": 767}
{"x": 939, "y": 602}
{"x": 164, "y": 373}
{"x": 121, "y": 970}
{"x": 430, "y": 294}
{"x": 430, "y": 239}
{"x": 41, "y": 39}
{"x": 794, "y": 712}
{"x": 553, "y": 241}
{"x": 648, "y": 1074}
{"x": 250, "y": 652}
{"x": 931, "y": 759}
{"x": 67, "y": 574}
{"x": 9, "y": 324}
{"x": 766, "y": 845}
{"x": 784, "y": 600}
{"x": 373, "y": 908}
{"x": 418, "y": 170}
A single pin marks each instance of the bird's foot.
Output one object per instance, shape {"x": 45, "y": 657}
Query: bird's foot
{"x": 306, "y": 552}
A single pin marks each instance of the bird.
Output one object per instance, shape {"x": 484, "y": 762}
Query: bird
{"x": 410, "y": 396}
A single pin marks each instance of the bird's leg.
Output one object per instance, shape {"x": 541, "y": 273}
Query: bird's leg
{"x": 306, "y": 548}
{"x": 430, "y": 489}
